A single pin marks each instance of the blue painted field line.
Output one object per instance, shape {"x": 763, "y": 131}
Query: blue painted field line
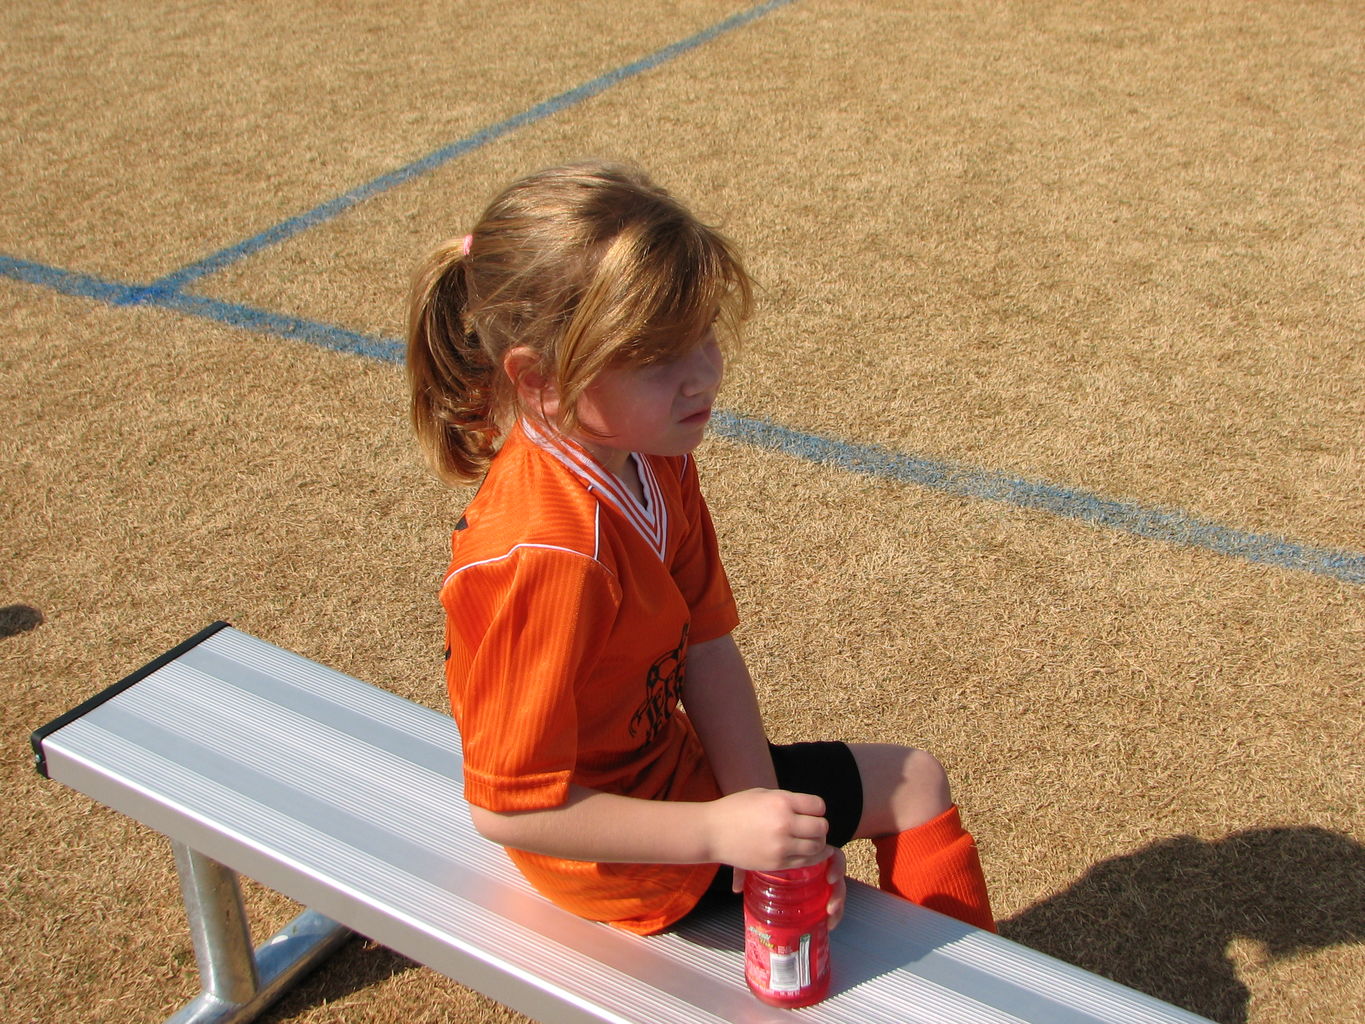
{"x": 965, "y": 481}
{"x": 233, "y": 314}
{"x": 947, "y": 477}
{"x": 65, "y": 281}
{"x": 335, "y": 207}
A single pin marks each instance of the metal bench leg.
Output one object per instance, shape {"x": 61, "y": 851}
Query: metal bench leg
{"x": 237, "y": 982}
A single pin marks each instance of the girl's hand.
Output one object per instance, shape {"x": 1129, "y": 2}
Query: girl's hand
{"x": 767, "y": 829}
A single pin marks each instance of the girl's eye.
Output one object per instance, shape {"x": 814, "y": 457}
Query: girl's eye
{"x": 657, "y": 371}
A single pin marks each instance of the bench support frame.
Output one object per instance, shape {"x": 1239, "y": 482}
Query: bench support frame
{"x": 238, "y": 982}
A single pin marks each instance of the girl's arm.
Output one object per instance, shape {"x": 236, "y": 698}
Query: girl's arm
{"x": 719, "y": 697}
{"x": 758, "y": 829}
{"x": 718, "y": 694}
{"x": 755, "y": 826}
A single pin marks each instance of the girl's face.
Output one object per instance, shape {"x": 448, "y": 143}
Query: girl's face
{"x": 661, "y": 409}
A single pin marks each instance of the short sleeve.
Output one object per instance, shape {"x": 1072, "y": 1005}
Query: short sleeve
{"x": 524, "y": 631}
{"x": 697, "y": 567}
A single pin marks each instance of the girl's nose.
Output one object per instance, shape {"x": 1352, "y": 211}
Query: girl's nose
{"x": 705, "y": 368}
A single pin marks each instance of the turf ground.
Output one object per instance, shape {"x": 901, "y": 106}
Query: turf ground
{"x": 1046, "y": 450}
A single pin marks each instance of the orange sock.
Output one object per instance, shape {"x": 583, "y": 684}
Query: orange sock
{"x": 936, "y": 866}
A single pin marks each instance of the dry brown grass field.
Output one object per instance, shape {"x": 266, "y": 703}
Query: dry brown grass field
{"x": 1114, "y": 251}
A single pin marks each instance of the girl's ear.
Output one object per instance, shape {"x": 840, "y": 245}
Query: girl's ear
{"x": 534, "y": 389}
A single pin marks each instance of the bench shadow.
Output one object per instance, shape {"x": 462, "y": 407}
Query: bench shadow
{"x": 18, "y": 618}
{"x": 357, "y": 965}
{"x": 1161, "y": 920}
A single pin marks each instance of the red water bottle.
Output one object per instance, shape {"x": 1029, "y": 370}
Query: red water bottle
{"x": 786, "y": 934}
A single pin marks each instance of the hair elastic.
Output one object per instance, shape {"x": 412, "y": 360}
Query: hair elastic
{"x": 465, "y": 245}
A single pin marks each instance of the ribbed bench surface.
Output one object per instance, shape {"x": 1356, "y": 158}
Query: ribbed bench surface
{"x": 348, "y": 799}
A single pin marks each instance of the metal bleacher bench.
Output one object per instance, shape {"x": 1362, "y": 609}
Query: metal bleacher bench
{"x": 348, "y": 800}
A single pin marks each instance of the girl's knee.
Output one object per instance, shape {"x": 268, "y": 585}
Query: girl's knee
{"x": 926, "y": 793}
{"x": 924, "y": 769}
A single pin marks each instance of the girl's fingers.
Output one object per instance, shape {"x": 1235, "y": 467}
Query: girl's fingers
{"x": 806, "y": 804}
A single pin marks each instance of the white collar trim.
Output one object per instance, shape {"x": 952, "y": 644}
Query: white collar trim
{"x": 650, "y": 519}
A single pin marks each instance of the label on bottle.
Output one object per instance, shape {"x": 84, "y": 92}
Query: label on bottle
{"x": 790, "y": 972}
{"x": 779, "y": 960}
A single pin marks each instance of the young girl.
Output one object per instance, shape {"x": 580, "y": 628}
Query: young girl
{"x": 568, "y": 352}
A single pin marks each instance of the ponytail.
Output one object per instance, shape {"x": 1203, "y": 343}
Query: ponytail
{"x": 451, "y": 378}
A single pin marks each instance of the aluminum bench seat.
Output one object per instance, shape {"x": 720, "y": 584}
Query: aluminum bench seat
{"x": 348, "y": 799}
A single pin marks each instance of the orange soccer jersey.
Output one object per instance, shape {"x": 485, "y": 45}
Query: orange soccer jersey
{"x": 569, "y": 610}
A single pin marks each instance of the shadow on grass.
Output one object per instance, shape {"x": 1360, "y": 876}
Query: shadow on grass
{"x": 358, "y": 965}
{"x": 1160, "y": 920}
{"x": 18, "y": 618}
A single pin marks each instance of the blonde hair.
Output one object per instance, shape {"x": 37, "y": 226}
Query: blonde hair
{"x": 587, "y": 266}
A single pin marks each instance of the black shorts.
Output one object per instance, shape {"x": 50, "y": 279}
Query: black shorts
{"x": 829, "y": 771}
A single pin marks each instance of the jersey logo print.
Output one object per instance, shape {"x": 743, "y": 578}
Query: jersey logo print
{"x": 663, "y": 688}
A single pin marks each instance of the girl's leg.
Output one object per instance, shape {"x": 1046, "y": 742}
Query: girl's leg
{"x": 902, "y": 787}
{"x": 923, "y": 853}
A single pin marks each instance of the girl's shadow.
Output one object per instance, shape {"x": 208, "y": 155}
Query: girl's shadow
{"x": 1161, "y": 920}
